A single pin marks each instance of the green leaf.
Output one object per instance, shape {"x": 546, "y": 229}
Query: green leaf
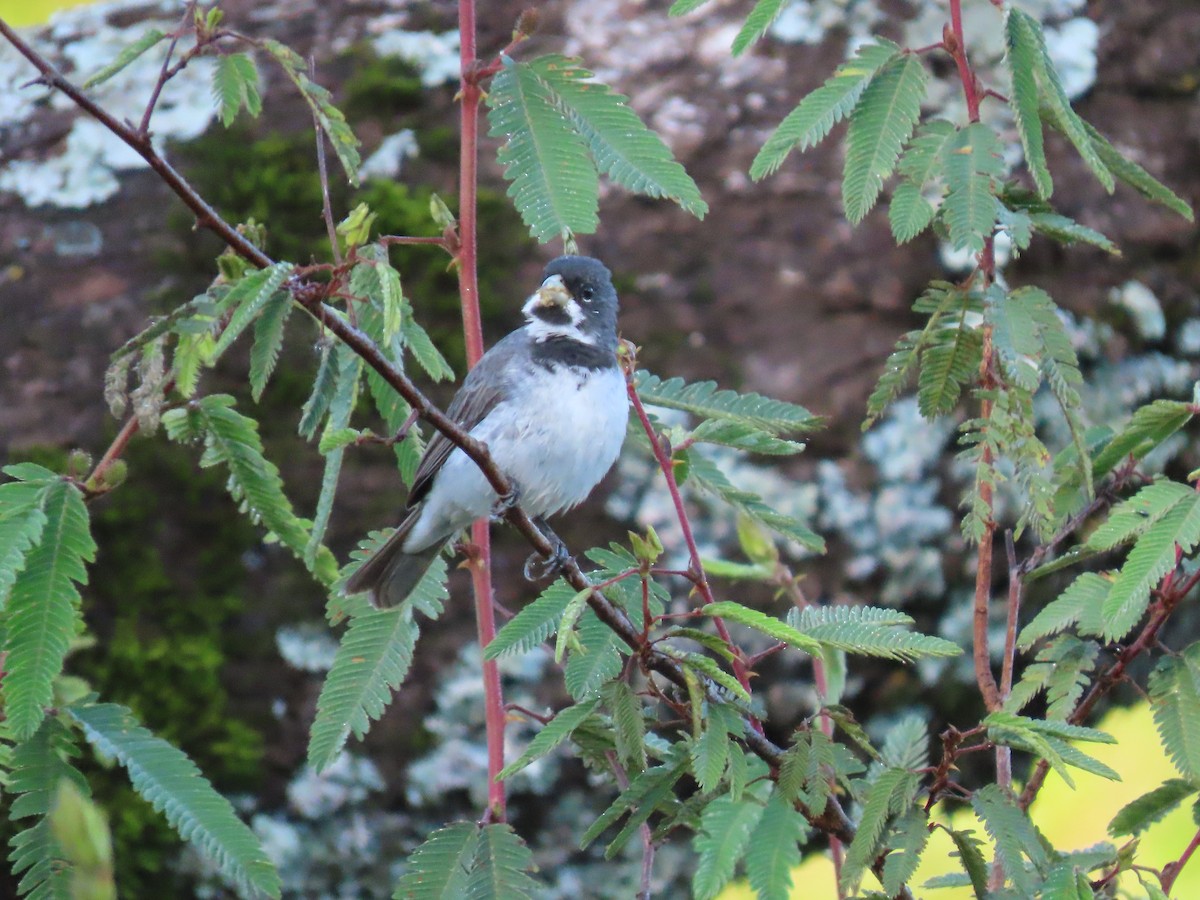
{"x": 552, "y": 734}
{"x": 235, "y": 84}
{"x": 869, "y": 631}
{"x": 21, "y": 523}
{"x": 725, "y": 833}
{"x": 371, "y": 662}
{"x": 743, "y": 437}
{"x": 774, "y": 849}
{"x": 972, "y": 860}
{"x": 1152, "y": 557}
{"x": 533, "y": 624}
{"x": 710, "y": 669}
{"x": 1067, "y": 231}
{"x": 620, "y": 143}
{"x": 683, "y": 7}
{"x": 331, "y": 119}
{"x": 909, "y": 213}
{"x": 704, "y": 475}
{"x": 628, "y": 724}
{"x": 761, "y": 17}
{"x": 501, "y": 867}
{"x": 973, "y": 167}
{"x": 232, "y": 439}
{"x": 1016, "y": 837}
{"x": 35, "y": 770}
{"x": 423, "y": 350}
{"x": 906, "y": 849}
{"x": 1061, "y": 670}
{"x": 949, "y": 363}
{"x": 1175, "y": 701}
{"x": 1138, "y": 815}
{"x": 1135, "y": 176}
{"x": 554, "y": 186}
{"x": 127, "y": 55}
{"x": 1150, "y": 426}
{"x": 81, "y": 830}
{"x": 597, "y": 661}
{"x": 644, "y": 795}
{"x": 268, "y": 340}
{"x": 1080, "y": 602}
{"x": 891, "y": 793}
{"x": 703, "y": 399}
{"x": 810, "y": 122}
{"x": 882, "y": 122}
{"x": 440, "y": 867}
{"x": 43, "y": 607}
{"x": 345, "y": 396}
{"x": 710, "y": 749}
{"x": 1132, "y": 518}
{"x": 1022, "y": 57}
{"x": 768, "y": 625}
{"x": 247, "y": 298}
{"x": 172, "y": 784}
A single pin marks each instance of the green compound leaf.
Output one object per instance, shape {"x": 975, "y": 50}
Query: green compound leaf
{"x": 1150, "y": 426}
{"x": 711, "y": 747}
{"x": 726, "y": 826}
{"x": 759, "y": 621}
{"x": 320, "y": 101}
{"x": 1015, "y": 836}
{"x": 533, "y": 624}
{"x": 35, "y": 769}
{"x": 950, "y": 361}
{"x": 973, "y": 167}
{"x": 126, "y": 56}
{"x": 1136, "y": 177}
{"x": 1152, "y": 557}
{"x": 21, "y": 524}
{"x": 440, "y": 867}
{"x": 869, "y": 631}
{"x": 880, "y": 125}
{"x": 891, "y": 794}
{"x": 552, "y": 734}
{"x": 1175, "y": 701}
{"x": 268, "y": 341}
{"x": 774, "y": 849}
{"x": 232, "y": 439}
{"x": 761, "y": 17}
{"x": 810, "y": 122}
{"x": 235, "y": 85}
{"x": 371, "y": 662}
{"x": 247, "y": 298}
{"x": 172, "y": 784}
{"x": 973, "y": 863}
{"x": 345, "y": 397}
{"x": 1081, "y": 602}
{"x": 906, "y": 846}
{"x": 554, "y": 184}
{"x": 704, "y": 399}
{"x": 909, "y": 213}
{"x": 501, "y": 868}
{"x": 621, "y": 145}
{"x": 1067, "y": 231}
{"x": 1022, "y": 57}
{"x": 1138, "y": 815}
{"x": 43, "y": 606}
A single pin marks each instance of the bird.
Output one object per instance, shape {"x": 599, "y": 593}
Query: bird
{"x": 549, "y": 400}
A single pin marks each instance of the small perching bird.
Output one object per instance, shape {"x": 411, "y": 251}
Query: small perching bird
{"x": 549, "y": 401}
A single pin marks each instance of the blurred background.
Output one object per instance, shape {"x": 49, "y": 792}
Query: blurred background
{"x": 218, "y": 641}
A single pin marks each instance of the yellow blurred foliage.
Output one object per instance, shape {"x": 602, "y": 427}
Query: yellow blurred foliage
{"x": 21, "y": 13}
{"x": 1070, "y": 819}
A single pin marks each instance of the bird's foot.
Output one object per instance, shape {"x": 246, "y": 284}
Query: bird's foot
{"x": 538, "y": 567}
{"x": 503, "y": 504}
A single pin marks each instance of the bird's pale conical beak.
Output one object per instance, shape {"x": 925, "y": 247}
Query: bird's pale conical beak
{"x": 552, "y": 293}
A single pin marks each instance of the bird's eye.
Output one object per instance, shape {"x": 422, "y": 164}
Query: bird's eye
{"x": 587, "y": 294}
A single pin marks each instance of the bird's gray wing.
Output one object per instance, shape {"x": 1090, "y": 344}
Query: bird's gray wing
{"x": 484, "y": 387}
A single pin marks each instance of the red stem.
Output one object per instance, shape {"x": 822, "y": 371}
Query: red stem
{"x": 468, "y": 288}
{"x": 701, "y": 580}
{"x": 1171, "y": 870}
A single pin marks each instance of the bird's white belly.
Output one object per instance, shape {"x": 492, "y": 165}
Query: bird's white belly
{"x": 555, "y": 440}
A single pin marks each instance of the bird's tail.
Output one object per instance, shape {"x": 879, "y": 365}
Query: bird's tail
{"x": 391, "y": 574}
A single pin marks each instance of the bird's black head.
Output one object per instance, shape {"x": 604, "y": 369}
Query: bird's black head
{"x": 576, "y": 301}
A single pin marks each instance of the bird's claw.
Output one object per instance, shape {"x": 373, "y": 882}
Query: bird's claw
{"x": 503, "y": 504}
{"x": 539, "y": 567}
